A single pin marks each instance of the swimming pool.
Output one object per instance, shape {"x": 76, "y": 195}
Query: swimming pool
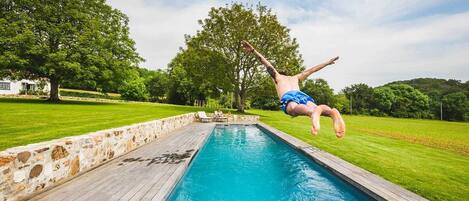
{"x": 241, "y": 162}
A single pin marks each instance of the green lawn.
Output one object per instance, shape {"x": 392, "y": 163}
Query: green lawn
{"x": 25, "y": 121}
{"x": 88, "y": 94}
{"x": 430, "y": 158}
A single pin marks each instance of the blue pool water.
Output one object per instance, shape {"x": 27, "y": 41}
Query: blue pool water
{"x": 241, "y": 162}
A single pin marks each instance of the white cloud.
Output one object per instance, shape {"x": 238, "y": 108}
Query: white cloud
{"x": 159, "y": 28}
{"x": 378, "y": 49}
{"x": 378, "y": 41}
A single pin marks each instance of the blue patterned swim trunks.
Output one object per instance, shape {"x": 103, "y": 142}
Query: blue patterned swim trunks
{"x": 295, "y": 96}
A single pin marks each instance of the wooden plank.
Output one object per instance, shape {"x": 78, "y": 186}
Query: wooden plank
{"x": 168, "y": 186}
{"x": 128, "y": 195}
{"x": 155, "y": 187}
{"x": 150, "y": 184}
{"x": 90, "y": 180}
{"x": 374, "y": 181}
{"x": 102, "y": 191}
{"x": 135, "y": 173}
{"x": 112, "y": 181}
{"x": 161, "y": 189}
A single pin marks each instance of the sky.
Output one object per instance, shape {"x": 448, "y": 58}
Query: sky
{"x": 377, "y": 41}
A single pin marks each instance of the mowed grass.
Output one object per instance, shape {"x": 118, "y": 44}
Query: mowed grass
{"x": 428, "y": 157}
{"x": 425, "y": 156}
{"x": 26, "y": 121}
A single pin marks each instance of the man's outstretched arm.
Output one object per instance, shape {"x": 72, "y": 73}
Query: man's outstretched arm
{"x": 270, "y": 68}
{"x": 305, "y": 74}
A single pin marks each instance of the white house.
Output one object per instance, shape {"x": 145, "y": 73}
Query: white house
{"x": 12, "y": 87}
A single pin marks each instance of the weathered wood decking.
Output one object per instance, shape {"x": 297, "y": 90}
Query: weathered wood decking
{"x": 148, "y": 173}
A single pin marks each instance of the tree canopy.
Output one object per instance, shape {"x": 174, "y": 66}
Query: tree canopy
{"x": 360, "y": 96}
{"x": 320, "y": 90}
{"x": 83, "y": 40}
{"x": 214, "y": 57}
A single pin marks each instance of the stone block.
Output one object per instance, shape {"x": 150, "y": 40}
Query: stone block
{"x": 23, "y": 156}
{"x": 59, "y": 152}
{"x": 4, "y": 160}
{"x": 75, "y": 166}
{"x": 35, "y": 171}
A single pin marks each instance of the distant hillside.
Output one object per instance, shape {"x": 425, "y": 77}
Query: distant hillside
{"x": 436, "y": 88}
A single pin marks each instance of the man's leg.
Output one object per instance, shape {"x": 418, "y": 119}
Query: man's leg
{"x": 318, "y": 110}
{"x": 324, "y": 110}
{"x": 310, "y": 110}
{"x": 315, "y": 111}
{"x": 295, "y": 109}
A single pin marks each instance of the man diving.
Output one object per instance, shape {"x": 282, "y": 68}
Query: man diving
{"x": 293, "y": 101}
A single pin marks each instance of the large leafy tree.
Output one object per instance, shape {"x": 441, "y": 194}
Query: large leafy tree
{"x": 409, "y": 102}
{"x": 360, "y": 96}
{"x": 320, "y": 90}
{"x": 383, "y": 99}
{"x": 84, "y": 40}
{"x": 455, "y": 107}
{"x": 182, "y": 89}
{"x": 157, "y": 83}
{"x": 214, "y": 53}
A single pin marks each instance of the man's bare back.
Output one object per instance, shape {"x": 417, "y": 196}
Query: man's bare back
{"x": 295, "y": 102}
{"x": 286, "y": 83}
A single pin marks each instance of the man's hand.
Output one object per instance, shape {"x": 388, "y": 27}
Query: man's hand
{"x": 247, "y": 47}
{"x": 332, "y": 61}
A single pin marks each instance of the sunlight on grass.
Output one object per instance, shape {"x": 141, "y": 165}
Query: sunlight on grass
{"x": 25, "y": 121}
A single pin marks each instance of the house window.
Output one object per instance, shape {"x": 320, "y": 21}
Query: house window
{"x": 4, "y": 86}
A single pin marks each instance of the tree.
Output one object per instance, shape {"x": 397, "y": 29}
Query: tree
{"x": 409, "y": 102}
{"x": 383, "y": 100}
{"x": 264, "y": 96}
{"x": 455, "y": 107}
{"x": 320, "y": 90}
{"x": 466, "y": 89}
{"x": 215, "y": 52}
{"x": 158, "y": 85}
{"x": 134, "y": 90}
{"x": 182, "y": 89}
{"x": 342, "y": 103}
{"x": 66, "y": 40}
{"x": 360, "y": 95}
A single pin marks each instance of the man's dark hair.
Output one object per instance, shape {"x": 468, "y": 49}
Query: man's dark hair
{"x": 283, "y": 73}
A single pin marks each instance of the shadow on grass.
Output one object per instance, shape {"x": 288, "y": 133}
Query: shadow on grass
{"x": 44, "y": 101}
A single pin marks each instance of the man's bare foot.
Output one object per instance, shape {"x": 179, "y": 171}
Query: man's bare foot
{"x": 315, "y": 117}
{"x": 339, "y": 124}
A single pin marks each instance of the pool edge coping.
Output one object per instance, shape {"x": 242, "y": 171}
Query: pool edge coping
{"x": 369, "y": 183}
{"x": 176, "y": 177}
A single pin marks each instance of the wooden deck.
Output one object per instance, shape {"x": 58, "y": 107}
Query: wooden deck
{"x": 148, "y": 173}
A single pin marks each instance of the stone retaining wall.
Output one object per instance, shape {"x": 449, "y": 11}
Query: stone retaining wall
{"x": 235, "y": 118}
{"x": 30, "y": 169}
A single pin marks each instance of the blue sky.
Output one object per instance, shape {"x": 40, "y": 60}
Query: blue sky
{"x": 378, "y": 41}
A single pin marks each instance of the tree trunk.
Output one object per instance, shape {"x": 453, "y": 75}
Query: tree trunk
{"x": 242, "y": 101}
{"x": 54, "y": 90}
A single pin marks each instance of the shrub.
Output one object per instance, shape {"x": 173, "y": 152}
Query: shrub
{"x": 134, "y": 90}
